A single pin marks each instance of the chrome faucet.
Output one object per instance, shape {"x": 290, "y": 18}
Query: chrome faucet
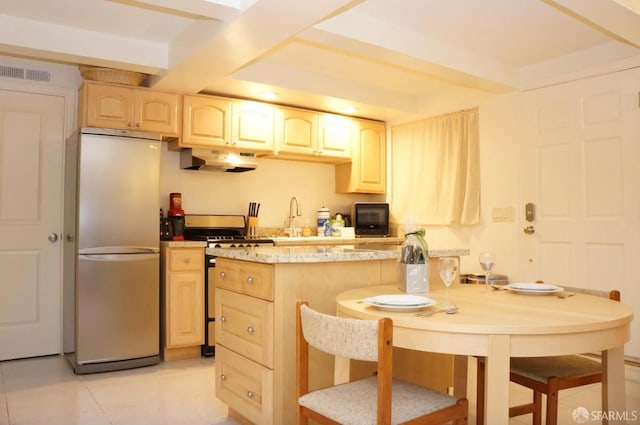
{"x": 298, "y": 213}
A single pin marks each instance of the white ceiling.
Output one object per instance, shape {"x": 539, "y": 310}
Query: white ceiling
{"x": 385, "y": 57}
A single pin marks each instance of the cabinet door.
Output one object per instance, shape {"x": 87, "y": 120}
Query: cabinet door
{"x": 245, "y": 325}
{"x": 335, "y": 135}
{"x": 184, "y": 309}
{"x": 245, "y": 386}
{"x": 367, "y": 171}
{"x": 109, "y": 106}
{"x": 156, "y": 112}
{"x": 371, "y": 157}
{"x": 252, "y": 126}
{"x": 206, "y": 122}
{"x": 297, "y": 131}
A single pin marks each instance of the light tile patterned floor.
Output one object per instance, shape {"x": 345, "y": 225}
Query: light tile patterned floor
{"x": 44, "y": 391}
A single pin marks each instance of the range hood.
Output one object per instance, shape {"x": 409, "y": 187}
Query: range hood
{"x": 212, "y": 160}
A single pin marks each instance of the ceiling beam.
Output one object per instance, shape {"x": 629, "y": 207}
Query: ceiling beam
{"x": 65, "y": 44}
{"x": 352, "y": 32}
{"x": 196, "y": 9}
{"x": 244, "y": 39}
{"x": 609, "y": 16}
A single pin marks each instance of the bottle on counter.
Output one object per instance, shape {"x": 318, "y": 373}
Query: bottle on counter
{"x": 323, "y": 221}
{"x": 306, "y": 230}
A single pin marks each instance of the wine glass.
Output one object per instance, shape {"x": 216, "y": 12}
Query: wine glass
{"x": 448, "y": 269}
{"x": 487, "y": 260}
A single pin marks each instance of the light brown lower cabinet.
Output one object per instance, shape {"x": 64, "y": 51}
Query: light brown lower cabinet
{"x": 183, "y": 302}
{"x": 255, "y": 333}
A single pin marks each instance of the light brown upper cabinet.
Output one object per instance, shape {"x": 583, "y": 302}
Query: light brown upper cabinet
{"x": 335, "y": 136}
{"x": 252, "y": 126}
{"x": 206, "y": 122}
{"x": 312, "y": 136}
{"x": 296, "y": 132}
{"x": 367, "y": 171}
{"x": 226, "y": 124}
{"x": 129, "y": 108}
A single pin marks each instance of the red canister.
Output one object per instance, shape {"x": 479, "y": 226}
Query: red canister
{"x": 176, "y": 216}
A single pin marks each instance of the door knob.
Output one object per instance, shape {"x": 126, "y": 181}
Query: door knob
{"x": 53, "y": 237}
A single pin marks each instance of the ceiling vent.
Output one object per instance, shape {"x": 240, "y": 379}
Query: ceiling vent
{"x": 25, "y": 74}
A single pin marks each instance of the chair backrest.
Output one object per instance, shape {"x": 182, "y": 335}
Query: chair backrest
{"x": 351, "y": 338}
{"x": 612, "y": 295}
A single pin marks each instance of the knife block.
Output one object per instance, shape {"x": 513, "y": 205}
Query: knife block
{"x": 252, "y": 227}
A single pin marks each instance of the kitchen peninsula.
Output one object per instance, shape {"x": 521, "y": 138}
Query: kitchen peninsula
{"x": 256, "y": 292}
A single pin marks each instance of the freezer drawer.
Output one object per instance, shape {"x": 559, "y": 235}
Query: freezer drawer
{"x": 117, "y": 307}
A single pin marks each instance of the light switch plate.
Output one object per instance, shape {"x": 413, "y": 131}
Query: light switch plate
{"x": 503, "y": 214}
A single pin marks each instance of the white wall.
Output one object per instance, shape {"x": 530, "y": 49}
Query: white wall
{"x": 272, "y": 184}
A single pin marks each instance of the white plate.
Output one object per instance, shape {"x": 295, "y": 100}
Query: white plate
{"x": 534, "y": 288}
{"x": 399, "y": 302}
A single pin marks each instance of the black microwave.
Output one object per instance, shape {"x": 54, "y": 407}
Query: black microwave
{"x": 370, "y": 219}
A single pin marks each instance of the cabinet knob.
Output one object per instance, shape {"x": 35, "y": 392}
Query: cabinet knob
{"x": 223, "y": 377}
{"x": 250, "y": 279}
{"x": 137, "y": 124}
{"x": 129, "y": 124}
{"x": 250, "y": 330}
{"x": 187, "y": 260}
{"x": 223, "y": 275}
{"x": 250, "y": 394}
{"x": 223, "y": 319}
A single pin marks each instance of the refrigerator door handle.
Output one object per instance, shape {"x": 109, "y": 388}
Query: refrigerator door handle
{"x": 117, "y": 257}
{"x": 119, "y": 250}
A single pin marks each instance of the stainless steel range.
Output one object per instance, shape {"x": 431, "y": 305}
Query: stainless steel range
{"x": 219, "y": 231}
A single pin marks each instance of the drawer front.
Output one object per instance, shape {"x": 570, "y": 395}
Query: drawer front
{"x": 245, "y": 325}
{"x": 253, "y": 279}
{"x": 245, "y": 386}
{"x": 182, "y": 260}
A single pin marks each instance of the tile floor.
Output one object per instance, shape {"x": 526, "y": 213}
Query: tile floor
{"x": 45, "y": 391}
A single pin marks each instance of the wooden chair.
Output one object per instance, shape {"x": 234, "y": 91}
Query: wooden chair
{"x": 545, "y": 375}
{"x": 377, "y": 400}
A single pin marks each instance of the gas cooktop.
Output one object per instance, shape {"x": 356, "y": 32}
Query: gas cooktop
{"x": 220, "y": 231}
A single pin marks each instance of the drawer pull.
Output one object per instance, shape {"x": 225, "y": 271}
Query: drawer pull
{"x": 250, "y": 394}
{"x": 250, "y": 279}
{"x": 187, "y": 260}
{"x": 223, "y": 275}
{"x": 223, "y": 319}
{"x": 250, "y": 330}
{"x": 223, "y": 377}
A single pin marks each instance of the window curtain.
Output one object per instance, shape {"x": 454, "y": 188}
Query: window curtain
{"x": 435, "y": 170}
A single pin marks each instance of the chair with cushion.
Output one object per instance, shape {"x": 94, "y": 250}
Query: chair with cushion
{"x": 545, "y": 375}
{"x": 380, "y": 399}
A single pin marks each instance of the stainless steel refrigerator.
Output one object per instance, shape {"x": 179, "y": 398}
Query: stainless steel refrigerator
{"x": 111, "y": 254}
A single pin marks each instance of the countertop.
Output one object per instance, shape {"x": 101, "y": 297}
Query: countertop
{"x": 318, "y": 254}
{"x": 183, "y": 244}
{"x": 332, "y": 240}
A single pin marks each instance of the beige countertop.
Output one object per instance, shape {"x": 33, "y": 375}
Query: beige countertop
{"x": 316, "y": 254}
{"x": 332, "y": 240}
{"x": 183, "y": 244}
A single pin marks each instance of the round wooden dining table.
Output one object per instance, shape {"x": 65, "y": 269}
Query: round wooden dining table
{"x": 500, "y": 324}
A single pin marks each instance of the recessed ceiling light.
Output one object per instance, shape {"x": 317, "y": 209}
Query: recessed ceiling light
{"x": 268, "y": 95}
{"x": 349, "y": 110}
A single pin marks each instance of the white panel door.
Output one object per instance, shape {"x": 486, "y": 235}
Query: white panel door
{"x": 580, "y": 155}
{"x": 31, "y": 155}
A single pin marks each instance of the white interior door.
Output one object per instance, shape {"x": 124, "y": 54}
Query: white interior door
{"x": 31, "y": 155}
{"x": 579, "y": 166}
